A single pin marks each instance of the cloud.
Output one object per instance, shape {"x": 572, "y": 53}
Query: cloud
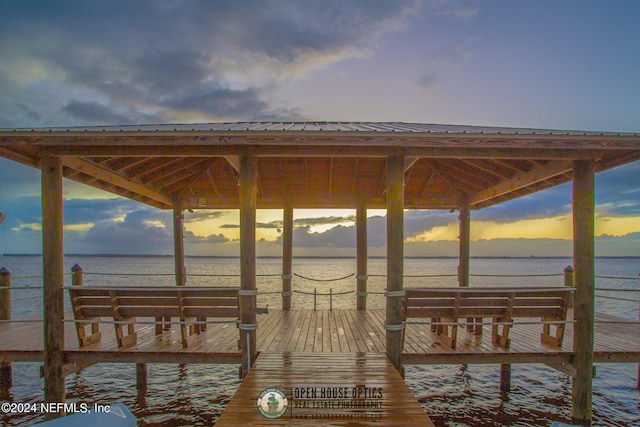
{"x": 325, "y": 220}
{"x": 143, "y": 231}
{"x": 614, "y": 195}
{"x": 458, "y": 9}
{"x": 200, "y": 215}
{"x": 147, "y": 61}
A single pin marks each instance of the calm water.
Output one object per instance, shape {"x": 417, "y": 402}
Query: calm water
{"x": 452, "y": 395}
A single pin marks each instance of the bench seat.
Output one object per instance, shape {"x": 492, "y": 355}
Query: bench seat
{"x": 192, "y": 305}
{"x": 446, "y": 306}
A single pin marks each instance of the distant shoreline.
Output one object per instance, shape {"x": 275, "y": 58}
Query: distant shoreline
{"x": 309, "y": 257}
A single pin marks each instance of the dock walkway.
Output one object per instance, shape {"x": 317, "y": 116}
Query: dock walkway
{"x": 356, "y": 389}
{"x": 323, "y": 331}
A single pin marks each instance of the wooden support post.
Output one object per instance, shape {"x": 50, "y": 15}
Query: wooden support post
{"x": 6, "y": 377}
{"x": 180, "y": 269}
{"x": 465, "y": 237}
{"x": 361, "y": 268}
{"x": 248, "y": 291}
{"x": 638, "y": 381}
{"x": 464, "y": 221}
{"x": 141, "y": 377}
{"x": 568, "y": 282}
{"x": 395, "y": 260}
{"x": 287, "y": 256}
{"x": 178, "y": 243}
{"x": 53, "y": 280}
{"x": 505, "y": 378}
{"x": 584, "y": 311}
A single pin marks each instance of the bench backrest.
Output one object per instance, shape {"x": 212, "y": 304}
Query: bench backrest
{"x": 486, "y": 302}
{"x": 183, "y": 302}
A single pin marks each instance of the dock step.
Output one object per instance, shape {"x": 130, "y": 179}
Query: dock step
{"x": 323, "y": 389}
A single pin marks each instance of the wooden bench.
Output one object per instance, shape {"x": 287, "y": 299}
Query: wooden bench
{"x": 192, "y": 305}
{"x": 446, "y": 306}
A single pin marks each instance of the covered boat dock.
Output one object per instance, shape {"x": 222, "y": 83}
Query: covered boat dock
{"x": 290, "y": 165}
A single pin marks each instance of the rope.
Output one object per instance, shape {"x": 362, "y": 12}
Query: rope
{"x": 431, "y": 275}
{"x": 15, "y": 288}
{"x": 547, "y": 322}
{"x": 618, "y": 277}
{"x": 21, "y": 321}
{"x": 617, "y": 289}
{"x": 324, "y": 294}
{"x": 25, "y": 298}
{"x": 128, "y": 274}
{"x": 621, "y": 322}
{"x": 213, "y": 275}
{"x": 618, "y": 299}
{"x": 149, "y": 322}
{"x": 324, "y": 280}
{"x": 515, "y": 275}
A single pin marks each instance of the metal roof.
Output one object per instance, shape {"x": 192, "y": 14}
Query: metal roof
{"x": 323, "y": 127}
{"x": 318, "y": 164}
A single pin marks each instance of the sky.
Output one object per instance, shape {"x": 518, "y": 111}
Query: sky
{"x": 569, "y": 64}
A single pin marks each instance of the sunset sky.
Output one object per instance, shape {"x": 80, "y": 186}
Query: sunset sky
{"x": 551, "y": 64}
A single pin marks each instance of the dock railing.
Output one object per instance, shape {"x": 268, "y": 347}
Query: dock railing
{"x": 7, "y": 300}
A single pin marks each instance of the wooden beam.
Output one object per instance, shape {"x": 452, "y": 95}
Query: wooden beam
{"x": 84, "y": 356}
{"x": 395, "y": 259}
{"x": 484, "y": 358}
{"x": 234, "y": 161}
{"x": 393, "y": 147}
{"x": 248, "y": 193}
{"x": 178, "y": 243}
{"x": 566, "y": 368}
{"x": 18, "y": 157}
{"x": 522, "y": 180}
{"x": 584, "y": 305}
{"x": 53, "y": 281}
{"x": 409, "y": 162}
{"x": 115, "y": 179}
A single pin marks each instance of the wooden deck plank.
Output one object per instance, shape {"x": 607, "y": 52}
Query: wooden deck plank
{"x": 392, "y": 402}
{"x": 343, "y": 330}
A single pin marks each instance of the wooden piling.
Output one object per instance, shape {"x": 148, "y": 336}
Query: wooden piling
{"x": 141, "y": 377}
{"x": 361, "y": 268}
{"x": 287, "y": 256}
{"x": 248, "y": 291}
{"x": 395, "y": 259}
{"x": 6, "y": 375}
{"x": 53, "y": 280}
{"x": 584, "y": 311}
{"x": 505, "y": 378}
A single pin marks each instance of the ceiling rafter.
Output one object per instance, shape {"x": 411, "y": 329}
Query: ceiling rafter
{"x": 164, "y": 165}
{"x": 174, "y": 174}
{"x": 427, "y": 181}
{"x": 117, "y": 180}
{"x": 354, "y": 176}
{"x": 463, "y": 172}
{"x": 522, "y": 180}
{"x": 455, "y": 180}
